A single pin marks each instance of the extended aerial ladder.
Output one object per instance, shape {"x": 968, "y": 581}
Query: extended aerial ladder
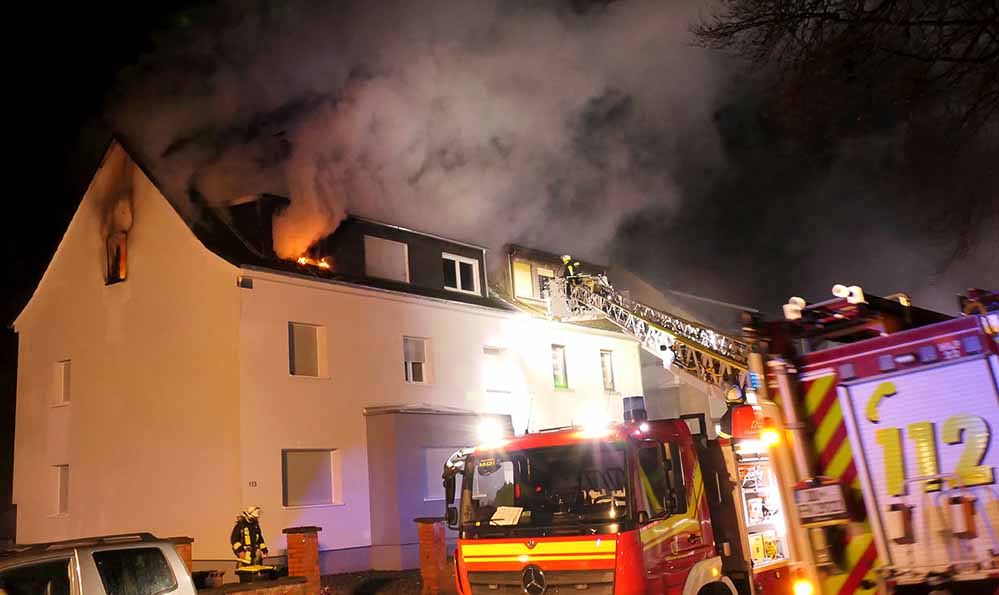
{"x": 697, "y": 351}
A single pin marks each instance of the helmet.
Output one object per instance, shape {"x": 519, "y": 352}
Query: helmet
{"x": 566, "y": 258}
{"x": 252, "y": 512}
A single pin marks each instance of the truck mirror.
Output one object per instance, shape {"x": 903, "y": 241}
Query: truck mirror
{"x": 452, "y": 517}
{"x": 643, "y": 517}
{"x": 449, "y": 490}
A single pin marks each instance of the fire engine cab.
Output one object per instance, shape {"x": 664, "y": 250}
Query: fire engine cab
{"x": 640, "y": 507}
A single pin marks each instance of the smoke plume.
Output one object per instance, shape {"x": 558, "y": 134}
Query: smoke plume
{"x": 583, "y": 126}
{"x": 546, "y": 123}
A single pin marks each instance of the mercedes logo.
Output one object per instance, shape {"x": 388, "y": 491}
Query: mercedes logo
{"x": 533, "y": 580}
{"x": 531, "y": 543}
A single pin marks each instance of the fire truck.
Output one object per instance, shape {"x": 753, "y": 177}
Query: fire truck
{"x": 648, "y": 506}
{"x": 889, "y": 412}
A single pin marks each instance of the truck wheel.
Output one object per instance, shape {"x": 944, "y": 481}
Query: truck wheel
{"x": 714, "y": 589}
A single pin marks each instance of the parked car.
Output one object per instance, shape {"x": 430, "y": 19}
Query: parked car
{"x": 133, "y": 564}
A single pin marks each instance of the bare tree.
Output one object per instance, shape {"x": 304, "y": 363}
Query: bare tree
{"x": 937, "y": 55}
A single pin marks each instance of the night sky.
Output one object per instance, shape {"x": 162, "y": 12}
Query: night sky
{"x": 56, "y": 134}
{"x": 715, "y": 194}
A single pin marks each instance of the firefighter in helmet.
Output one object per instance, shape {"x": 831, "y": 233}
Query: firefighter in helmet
{"x": 570, "y": 267}
{"x": 246, "y": 538}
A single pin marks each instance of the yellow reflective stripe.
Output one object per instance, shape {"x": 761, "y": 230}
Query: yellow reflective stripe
{"x": 236, "y": 545}
{"x": 817, "y": 392}
{"x": 837, "y": 466}
{"x": 246, "y": 535}
{"x": 262, "y": 546}
{"x": 525, "y": 558}
{"x": 606, "y": 546}
{"x": 828, "y": 427}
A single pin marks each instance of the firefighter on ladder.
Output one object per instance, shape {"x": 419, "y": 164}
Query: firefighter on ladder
{"x": 247, "y": 539}
{"x": 569, "y": 272}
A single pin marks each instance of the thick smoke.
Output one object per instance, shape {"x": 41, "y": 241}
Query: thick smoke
{"x": 589, "y": 127}
{"x": 545, "y": 123}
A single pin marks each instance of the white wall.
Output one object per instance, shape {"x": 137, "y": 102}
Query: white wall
{"x": 364, "y": 331}
{"x": 151, "y": 435}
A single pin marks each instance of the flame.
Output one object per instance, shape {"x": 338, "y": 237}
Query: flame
{"x": 323, "y": 263}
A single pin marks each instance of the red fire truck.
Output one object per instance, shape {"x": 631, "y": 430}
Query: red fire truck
{"x": 640, "y": 507}
{"x": 889, "y": 413}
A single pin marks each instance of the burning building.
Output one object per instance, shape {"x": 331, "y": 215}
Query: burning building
{"x": 171, "y": 373}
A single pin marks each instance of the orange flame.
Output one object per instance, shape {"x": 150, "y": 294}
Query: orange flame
{"x": 323, "y": 263}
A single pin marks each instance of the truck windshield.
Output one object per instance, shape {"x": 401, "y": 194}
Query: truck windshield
{"x": 563, "y": 489}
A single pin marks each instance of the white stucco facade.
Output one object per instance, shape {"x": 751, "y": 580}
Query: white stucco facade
{"x": 181, "y": 401}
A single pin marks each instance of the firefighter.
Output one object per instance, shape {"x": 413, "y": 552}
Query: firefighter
{"x": 570, "y": 267}
{"x": 247, "y": 540}
{"x": 734, "y": 397}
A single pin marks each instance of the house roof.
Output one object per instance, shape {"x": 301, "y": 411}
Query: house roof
{"x": 225, "y": 241}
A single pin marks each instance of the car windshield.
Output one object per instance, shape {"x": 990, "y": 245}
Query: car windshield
{"x": 579, "y": 485}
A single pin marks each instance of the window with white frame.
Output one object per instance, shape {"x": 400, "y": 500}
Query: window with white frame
{"x": 607, "y": 369}
{"x": 61, "y": 495}
{"x": 310, "y": 477}
{"x": 386, "y": 259}
{"x": 415, "y": 360}
{"x": 559, "y": 372}
{"x": 434, "y": 459}
{"x": 306, "y": 349}
{"x": 61, "y": 394}
{"x": 498, "y": 372}
{"x": 461, "y": 273}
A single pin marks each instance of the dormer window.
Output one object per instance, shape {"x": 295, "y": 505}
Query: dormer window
{"x": 461, "y": 274}
{"x": 117, "y": 257}
{"x": 530, "y": 280}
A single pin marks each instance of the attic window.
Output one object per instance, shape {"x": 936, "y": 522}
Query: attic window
{"x": 117, "y": 257}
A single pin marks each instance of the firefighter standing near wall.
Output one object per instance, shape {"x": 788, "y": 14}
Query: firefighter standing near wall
{"x": 247, "y": 540}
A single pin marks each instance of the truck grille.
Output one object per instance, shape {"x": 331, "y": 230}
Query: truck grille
{"x": 559, "y": 582}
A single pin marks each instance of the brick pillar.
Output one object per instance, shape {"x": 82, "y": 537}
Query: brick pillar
{"x": 433, "y": 554}
{"x": 303, "y": 556}
{"x": 183, "y": 547}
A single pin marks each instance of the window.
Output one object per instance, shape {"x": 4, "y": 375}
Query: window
{"x": 62, "y": 385}
{"x": 523, "y": 279}
{"x": 117, "y": 262}
{"x": 414, "y": 352}
{"x": 607, "y": 368}
{"x": 386, "y": 259}
{"x": 461, "y": 274}
{"x": 50, "y": 577}
{"x": 306, "y": 349}
{"x": 310, "y": 477}
{"x": 498, "y": 370}
{"x": 653, "y": 483}
{"x": 558, "y": 366}
{"x": 135, "y": 571}
{"x": 678, "y": 488}
{"x": 434, "y": 459}
{"x": 544, "y": 278}
{"x": 530, "y": 280}
{"x": 62, "y": 489}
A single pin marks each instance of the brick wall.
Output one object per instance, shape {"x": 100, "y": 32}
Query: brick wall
{"x": 183, "y": 547}
{"x": 433, "y": 554}
{"x": 303, "y": 556}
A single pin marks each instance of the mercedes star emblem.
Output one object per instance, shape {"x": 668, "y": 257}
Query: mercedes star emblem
{"x": 531, "y": 543}
{"x": 534, "y": 581}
